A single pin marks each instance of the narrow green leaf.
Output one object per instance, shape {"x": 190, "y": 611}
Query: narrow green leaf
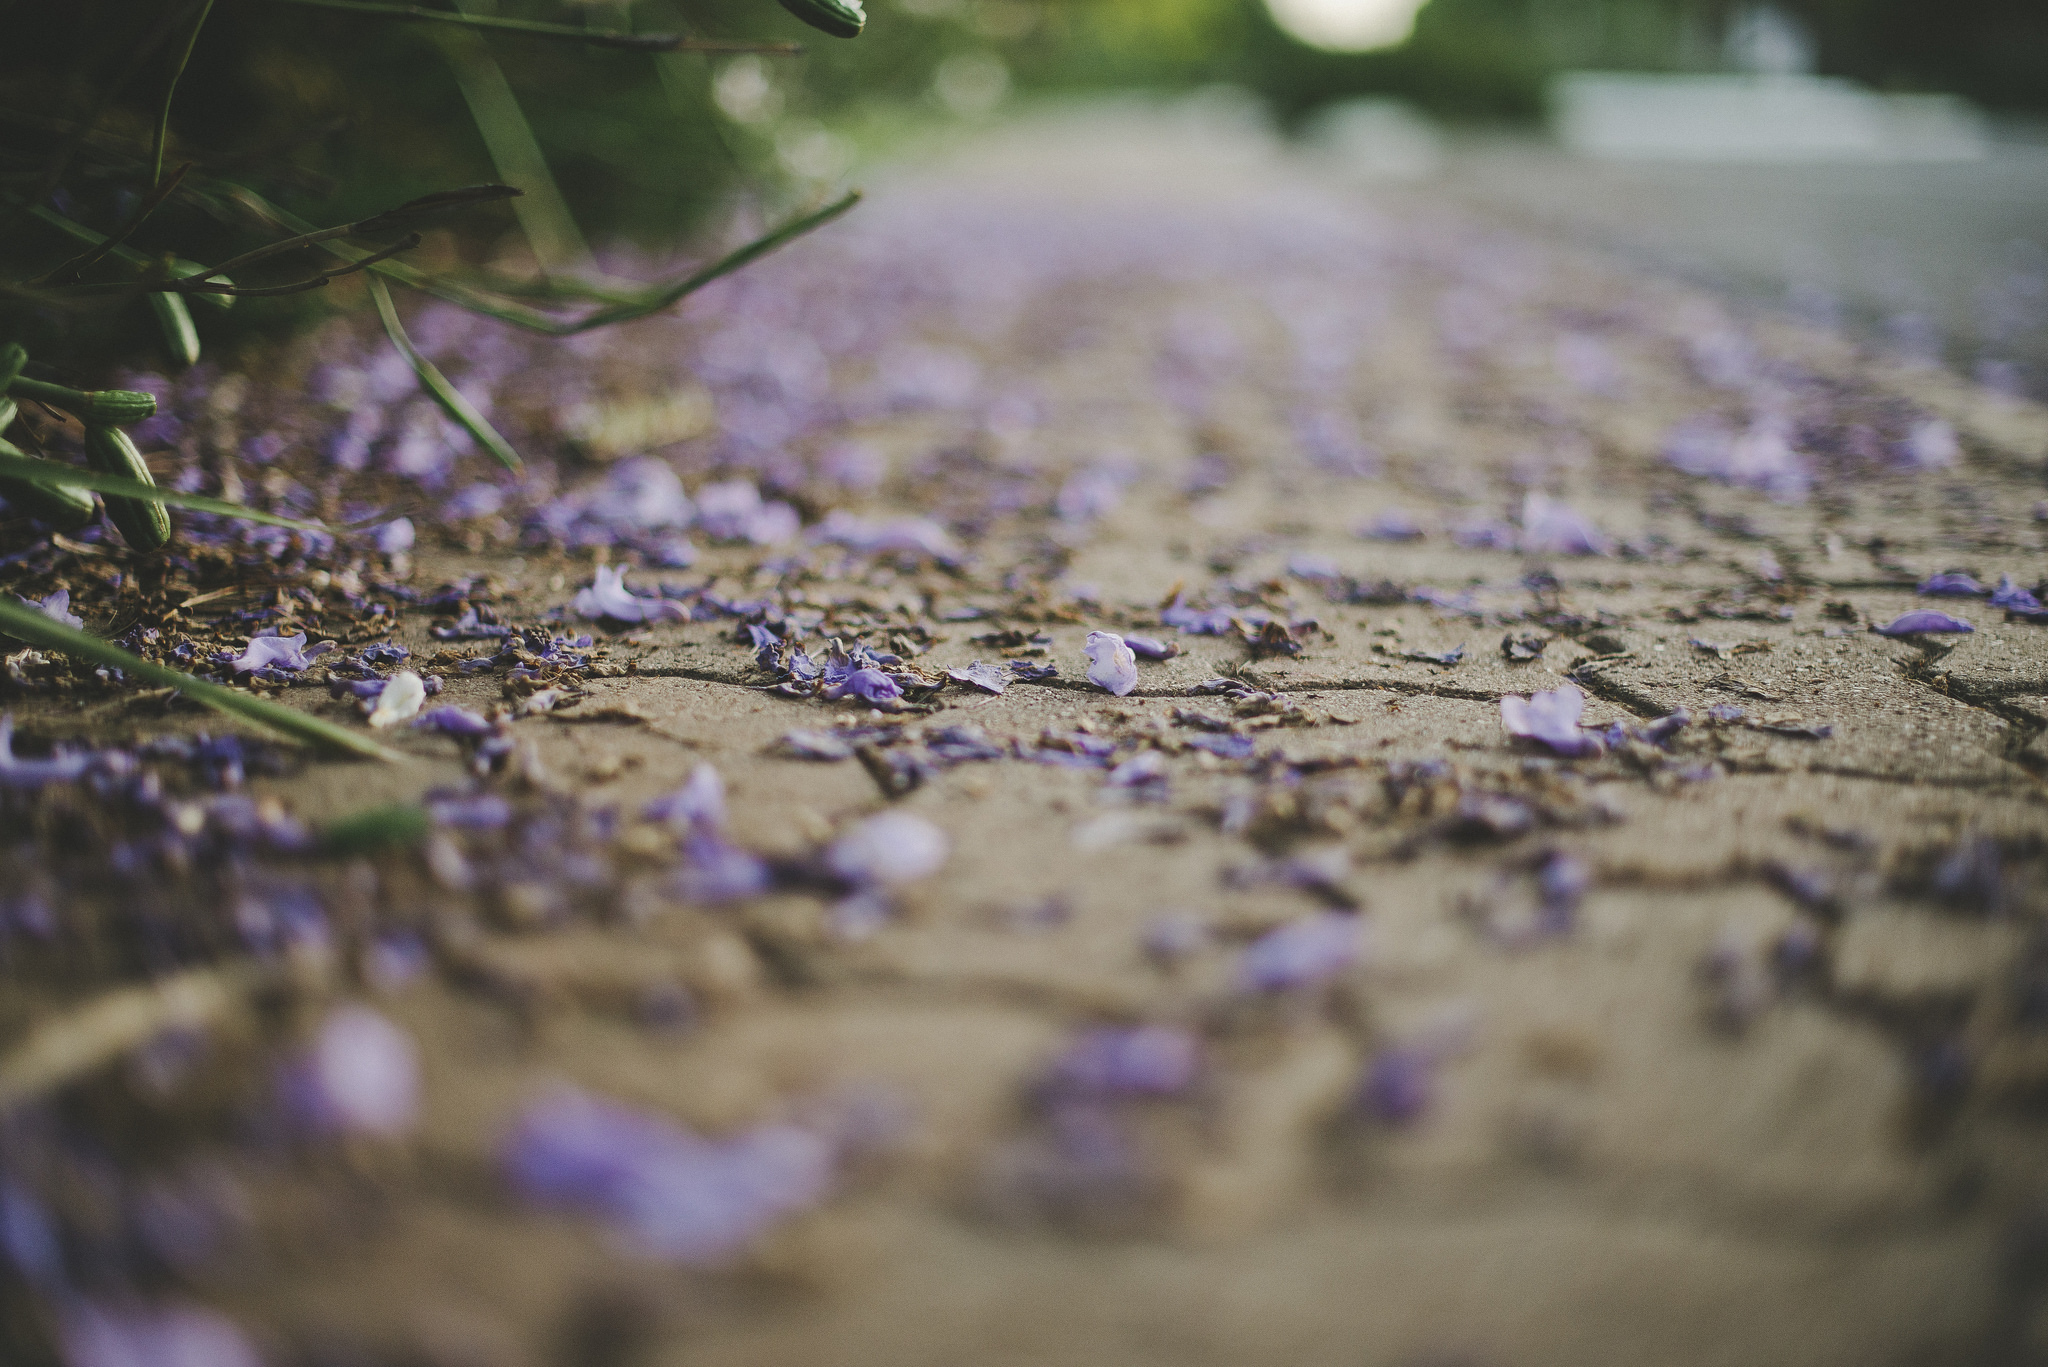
{"x": 596, "y": 37}
{"x": 543, "y": 213}
{"x": 653, "y": 299}
{"x": 163, "y": 118}
{"x": 436, "y": 384}
{"x": 25, "y": 623}
{"x": 659, "y": 297}
{"x": 52, "y": 474}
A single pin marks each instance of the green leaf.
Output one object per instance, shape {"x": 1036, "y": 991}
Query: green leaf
{"x": 376, "y": 828}
{"x": 24, "y": 623}
{"x": 52, "y": 474}
{"x": 596, "y": 37}
{"x": 653, "y": 299}
{"x": 436, "y": 384}
{"x": 163, "y": 118}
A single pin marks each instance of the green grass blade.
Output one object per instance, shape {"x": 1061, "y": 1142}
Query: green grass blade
{"x": 651, "y": 300}
{"x": 163, "y": 118}
{"x": 25, "y": 623}
{"x": 661, "y": 296}
{"x": 52, "y": 474}
{"x": 594, "y": 37}
{"x": 542, "y": 212}
{"x": 436, "y": 384}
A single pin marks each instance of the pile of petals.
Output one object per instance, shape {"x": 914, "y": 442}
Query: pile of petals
{"x": 878, "y": 679}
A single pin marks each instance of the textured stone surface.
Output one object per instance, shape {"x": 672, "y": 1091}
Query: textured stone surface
{"x": 1752, "y": 1099}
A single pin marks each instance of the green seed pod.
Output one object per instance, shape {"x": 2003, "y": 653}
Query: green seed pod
{"x": 840, "y": 18}
{"x": 116, "y": 406}
{"x": 145, "y": 526}
{"x": 175, "y": 322}
{"x": 13, "y": 357}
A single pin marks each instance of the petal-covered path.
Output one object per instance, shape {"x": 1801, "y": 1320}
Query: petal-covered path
{"x": 1551, "y": 868}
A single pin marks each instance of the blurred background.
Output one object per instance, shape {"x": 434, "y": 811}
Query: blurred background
{"x": 1881, "y": 164}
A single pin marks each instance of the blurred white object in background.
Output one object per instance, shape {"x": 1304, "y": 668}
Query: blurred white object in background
{"x": 1378, "y": 139}
{"x": 1769, "y": 42}
{"x": 1346, "y": 25}
{"x": 1764, "y": 117}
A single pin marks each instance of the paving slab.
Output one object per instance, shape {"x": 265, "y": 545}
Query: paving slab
{"x": 1281, "y": 1008}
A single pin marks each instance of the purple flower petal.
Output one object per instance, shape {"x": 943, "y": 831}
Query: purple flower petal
{"x": 361, "y": 1076}
{"x": 1145, "y": 1060}
{"x": 717, "y": 871}
{"x": 1394, "y": 524}
{"x": 670, "y": 1193}
{"x": 903, "y": 536}
{"x": 394, "y": 537}
{"x": 873, "y": 686}
{"x": 1196, "y": 621}
{"x": 1172, "y": 936}
{"x": 1150, "y": 648}
{"x": 1551, "y": 718}
{"x": 1301, "y": 953}
{"x": 608, "y": 599}
{"x": 2012, "y": 597}
{"x": 1923, "y": 620}
{"x": 1111, "y": 665}
{"x": 455, "y": 721}
{"x": 61, "y": 767}
{"x": 57, "y": 607}
{"x": 1954, "y": 584}
{"x": 888, "y": 850}
{"x": 481, "y": 812}
{"x": 699, "y": 803}
{"x": 273, "y": 652}
{"x": 988, "y": 678}
{"x": 168, "y": 1336}
{"x": 1399, "y": 1085}
{"x": 1550, "y": 526}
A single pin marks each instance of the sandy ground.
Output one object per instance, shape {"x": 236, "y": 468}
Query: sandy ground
{"x": 1767, "y": 1092}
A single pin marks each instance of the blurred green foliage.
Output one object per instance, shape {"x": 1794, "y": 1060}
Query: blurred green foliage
{"x": 1490, "y": 59}
{"x": 337, "y": 115}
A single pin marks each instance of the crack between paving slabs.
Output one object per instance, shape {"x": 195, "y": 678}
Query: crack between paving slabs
{"x": 2021, "y": 725}
{"x": 1403, "y": 686}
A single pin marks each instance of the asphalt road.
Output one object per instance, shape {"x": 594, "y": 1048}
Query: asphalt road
{"x": 1948, "y": 261}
